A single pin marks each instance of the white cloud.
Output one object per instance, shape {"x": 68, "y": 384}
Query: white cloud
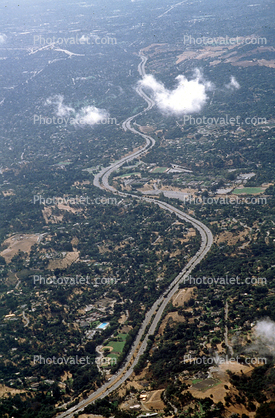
{"x": 265, "y": 333}
{"x": 60, "y": 109}
{"x": 87, "y": 115}
{"x": 3, "y": 38}
{"x": 263, "y": 340}
{"x": 189, "y": 96}
{"x": 90, "y": 115}
{"x": 233, "y": 84}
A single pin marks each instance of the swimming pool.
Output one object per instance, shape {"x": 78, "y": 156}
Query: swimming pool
{"x": 103, "y": 325}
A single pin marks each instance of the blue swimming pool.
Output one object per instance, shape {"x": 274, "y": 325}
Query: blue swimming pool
{"x": 103, "y": 325}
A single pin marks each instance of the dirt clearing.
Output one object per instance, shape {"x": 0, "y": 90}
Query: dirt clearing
{"x": 183, "y": 295}
{"x": 65, "y": 262}
{"x": 19, "y": 242}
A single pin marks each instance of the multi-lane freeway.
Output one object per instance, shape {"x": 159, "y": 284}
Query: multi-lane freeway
{"x": 156, "y": 311}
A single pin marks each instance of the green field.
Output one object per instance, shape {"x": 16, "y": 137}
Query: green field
{"x": 159, "y": 169}
{"x": 249, "y": 190}
{"x": 196, "y": 381}
{"x": 64, "y": 163}
{"x": 123, "y": 336}
{"x": 117, "y": 345}
{"x": 117, "y": 348}
{"x": 113, "y": 362}
{"x": 129, "y": 174}
{"x": 90, "y": 169}
{"x": 204, "y": 385}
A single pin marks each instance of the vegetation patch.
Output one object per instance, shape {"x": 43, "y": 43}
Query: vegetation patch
{"x": 249, "y": 190}
{"x": 159, "y": 170}
{"x": 117, "y": 344}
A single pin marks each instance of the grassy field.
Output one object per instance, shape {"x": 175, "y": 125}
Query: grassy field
{"x": 195, "y": 381}
{"x": 112, "y": 362}
{"x": 117, "y": 345}
{"x": 64, "y": 163}
{"x": 159, "y": 170}
{"x": 89, "y": 170}
{"x": 204, "y": 385}
{"x": 129, "y": 174}
{"x": 113, "y": 356}
{"x": 123, "y": 336}
{"x": 249, "y": 190}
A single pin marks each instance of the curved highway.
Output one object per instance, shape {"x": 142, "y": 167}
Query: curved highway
{"x": 153, "y": 316}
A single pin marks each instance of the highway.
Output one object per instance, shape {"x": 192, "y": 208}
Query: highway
{"x": 156, "y": 311}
